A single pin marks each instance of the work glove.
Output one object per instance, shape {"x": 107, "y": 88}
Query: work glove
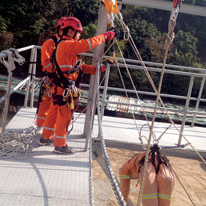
{"x": 102, "y": 68}
{"x": 109, "y": 35}
{"x": 116, "y": 31}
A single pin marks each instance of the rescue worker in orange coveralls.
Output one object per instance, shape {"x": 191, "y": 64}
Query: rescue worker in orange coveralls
{"x": 159, "y": 180}
{"x": 45, "y": 97}
{"x": 64, "y": 90}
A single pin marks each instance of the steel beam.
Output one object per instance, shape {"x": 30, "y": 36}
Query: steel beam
{"x": 167, "y": 5}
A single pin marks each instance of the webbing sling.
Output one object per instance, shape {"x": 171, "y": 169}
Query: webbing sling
{"x": 161, "y": 160}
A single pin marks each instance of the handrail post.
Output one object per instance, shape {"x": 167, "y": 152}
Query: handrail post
{"x": 198, "y": 101}
{"x": 186, "y": 107}
{"x": 105, "y": 88}
{"x": 105, "y": 91}
{"x": 30, "y": 70}
{"x": 33, "y": 77}
{"x": 12, "y": 54}
{"x": 6, "y": 105}
{"x": 98, "y": 52}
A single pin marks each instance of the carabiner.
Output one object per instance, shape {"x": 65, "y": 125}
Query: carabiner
{"x": 109, "y": 4}
{"x": 66, "y": 92}
{"x": 116, "y": 15}
{"x": 177, "y": 3}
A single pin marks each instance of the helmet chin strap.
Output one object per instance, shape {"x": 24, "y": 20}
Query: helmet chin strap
{"x": 75, "y": 34}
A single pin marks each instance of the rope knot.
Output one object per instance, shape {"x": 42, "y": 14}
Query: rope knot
{"x": 169, "y": 39}
{"x": 126, "y": 33}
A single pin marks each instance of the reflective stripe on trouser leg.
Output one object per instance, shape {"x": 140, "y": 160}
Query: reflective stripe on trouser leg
{"x": 165, "y": 185}
{"x": 149, "y": 196}
{"x": 44, "y": 106}
{"x": 50, "y": 122}
{"x": 64, "y": 116}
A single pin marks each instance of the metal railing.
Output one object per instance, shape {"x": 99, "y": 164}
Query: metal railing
{"x": 187, "y": 98}
{"x": 168, "y": 69}
{"x": 29, "y": 80}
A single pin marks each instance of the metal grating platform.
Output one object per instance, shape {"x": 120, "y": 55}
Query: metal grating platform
{"x": 49, "y": 179}
{"x": 45, "y": 178}
{"x": 124, "y": 130}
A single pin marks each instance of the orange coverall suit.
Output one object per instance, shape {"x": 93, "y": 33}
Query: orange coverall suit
{"x": 66, "y": 57}
{"x": 46, "y": 52}
{"x": 158, "y": 188}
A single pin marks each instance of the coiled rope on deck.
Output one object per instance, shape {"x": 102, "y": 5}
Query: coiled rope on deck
{"x": 16, "y": 144}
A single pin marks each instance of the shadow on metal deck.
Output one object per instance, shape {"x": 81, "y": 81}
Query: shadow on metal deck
{"x": 46, "y": 178}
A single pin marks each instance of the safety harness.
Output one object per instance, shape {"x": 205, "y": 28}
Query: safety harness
{"x": 45, "y": 88}
{"x": 71, "y": 92}
{"x": 155, "y": 150}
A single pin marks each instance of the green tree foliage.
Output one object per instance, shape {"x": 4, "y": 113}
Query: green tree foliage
{"x": 184, "y": 50}
{"x": 140, "y": 29}
{"x": 32, "y": 22}
{"x": 24, "y": 23}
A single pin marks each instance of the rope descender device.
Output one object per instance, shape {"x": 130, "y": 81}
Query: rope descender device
{"x": 172, "y": 21}
{"x": 175, "y": 9}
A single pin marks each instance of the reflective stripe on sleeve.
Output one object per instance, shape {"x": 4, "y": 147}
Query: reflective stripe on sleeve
{"x": 125, "y": 177}
{"x": 60, "y": 137}
{"x": 70, "y": 66}
{"x": 90, "y": 45}
{"x": 166, "y": 197}
{"x": 48, "y": 128}
{"x": 47, "y": 65}
{"x": 57, "y": 50}
{"x": 149, "y": 196}
{"x": 40, "y": 117}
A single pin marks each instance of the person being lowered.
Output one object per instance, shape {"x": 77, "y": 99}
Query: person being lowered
{"x": 66, "y": 68}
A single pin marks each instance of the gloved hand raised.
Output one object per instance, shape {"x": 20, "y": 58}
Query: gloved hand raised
{"x": 102, "y": 68}
{"x": 109, "y": 35}
{"x": 116, "y": 31}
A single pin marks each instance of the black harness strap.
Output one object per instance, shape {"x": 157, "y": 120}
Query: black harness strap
{"x": 54, "y": 39}
{"x": 50, "y": 75}
{"x": 59, "y": 78}
{"x": 161, "y": 160}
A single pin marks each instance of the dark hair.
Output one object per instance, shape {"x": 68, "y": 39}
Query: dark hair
{"x": 58, "y": 28}
{"x": 65, "y": 30}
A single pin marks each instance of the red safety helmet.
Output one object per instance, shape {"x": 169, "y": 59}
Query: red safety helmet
{"x": 73, "y": 22}
{"x": 59, "y": 23}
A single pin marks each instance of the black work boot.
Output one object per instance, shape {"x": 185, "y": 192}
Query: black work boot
{"x": 64, "y": 150}
{"x": 44, "y": 141}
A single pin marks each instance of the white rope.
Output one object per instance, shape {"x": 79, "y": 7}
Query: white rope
{"x": 155, "y": 89}
{"x": 16, "y": 144}
{"x": 168, "y": 41}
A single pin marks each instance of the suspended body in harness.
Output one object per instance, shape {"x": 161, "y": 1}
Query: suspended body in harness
{"x": 159, "y": 179}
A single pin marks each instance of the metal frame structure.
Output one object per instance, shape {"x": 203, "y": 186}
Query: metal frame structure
{"x": 192, "y": 74}
{"x": 167, "y": 5}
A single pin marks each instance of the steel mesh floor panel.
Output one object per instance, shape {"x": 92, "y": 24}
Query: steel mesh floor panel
{"x": 124, "y": 130}
{"x": 46, "y": 178}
